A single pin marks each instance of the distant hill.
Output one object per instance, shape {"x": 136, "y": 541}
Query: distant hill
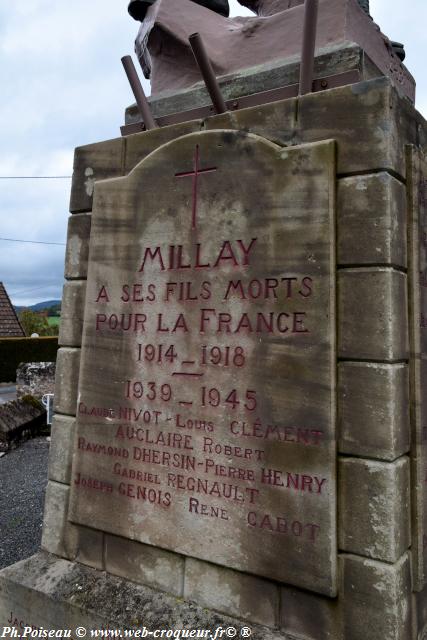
{"x": 40, "y": 305}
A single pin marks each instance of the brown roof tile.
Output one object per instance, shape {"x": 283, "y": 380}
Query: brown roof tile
{"x": 10, "y": 327}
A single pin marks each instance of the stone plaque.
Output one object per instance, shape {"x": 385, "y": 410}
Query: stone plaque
{"x": 417, "y": 190}
{"x": 206, "y": 415}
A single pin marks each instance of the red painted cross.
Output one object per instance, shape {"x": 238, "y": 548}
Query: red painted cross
{"x": 195, "y": 174}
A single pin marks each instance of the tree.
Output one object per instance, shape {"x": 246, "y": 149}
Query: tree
{"x": 33, "y": 323}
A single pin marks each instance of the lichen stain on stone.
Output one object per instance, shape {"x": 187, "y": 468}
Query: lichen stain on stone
{"x": 90, "y": 182}
{"x": 376, "y": 514}
{"x": 381, "y": 134}
{"x": 74, "y": 250}
{"x": 367, "y": 89}
{"x": 362, "y": 186}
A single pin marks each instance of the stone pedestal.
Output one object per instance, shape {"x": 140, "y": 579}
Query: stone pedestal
{"x": 339, "y": 212}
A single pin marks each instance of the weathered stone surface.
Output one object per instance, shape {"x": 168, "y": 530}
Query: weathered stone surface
{"x": 66, "y": 382}
{"x": 72, "y": 311}
{"x": 373, "y": 597}
{"x": 374, "y": 508}
{"x": 420, "y": 614}
{"x": 91, "y": 163}
{"x": 276, "y": 121}
{"x": 373, "y": 314}
{"x": 30, "y": 595}
{"x": 77, "y": 251}
{"x": 142, "y": 563}
{"x": 421, "y": 139}
{"x": 376, "y": 599}
{"x": 309, "y": 616}
{"x": 59, "y": 535}
{"x": 20, "y": 415}
{"x": 35, "y": 379}
{"x": 371, "y": 215}
{"x": 243, "y": 512}
{"x": 90, "y": 547}
{"x": 231, "y": 592}
{"x": 61, "y": 448}
{"x": 329, "y": 60}
{"x": 371, "y": 113}
{"x": 373, "y": 409}
{"x": 45, "y": 591}
{"x": 140, "y": 145}
{"x": 417, "y": 209}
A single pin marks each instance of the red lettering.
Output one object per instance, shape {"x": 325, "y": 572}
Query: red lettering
{"x": 271, "y": 322}
{"x": 180, "y": 264}
{"x": 153, "y": 496}
{"x": 298, "y": 324}
{"x": 101, "y": 318}
{"x": 306, "y": 289}
{"x": 152, "y": 255}
{"x": 102, "y": 295}
{"x": 271, "y": 283}
{"x": 282, "y": 525}
{"x": 199, "y": 264}
{"x": 263, "y": 326}
{"x": 224, "y": 319}
{"x": 282, "y": 328}
{"x": 206, "y": 291}
{"x": 195, "y": 506}
{"x": 298, "y": 435}
{"x": 134, "y": 293}
{"x": 205, "y": 318}
{"x": 296, "y": 481}
{"x": 92, "y": 483}
{"x": 226, "y": 253}
{"x": 235, "y": 286}
{"x": 244, "y": 323}
{"x": 246, "y": 250}
{"x": 289, "y": 281}
{"x": 134, "y": 322}
{"x": 180, "y": 324}
{"x": 255, "y": 289}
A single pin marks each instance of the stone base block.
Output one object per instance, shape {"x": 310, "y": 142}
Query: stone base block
{"x": 376, "y": 599}
{"x": 49, "y": 592}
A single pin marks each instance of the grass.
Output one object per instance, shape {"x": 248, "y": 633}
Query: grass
{"x": 54, "y": 321}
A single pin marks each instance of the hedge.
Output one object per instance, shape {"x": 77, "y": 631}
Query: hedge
{"x": 13, "y": 351}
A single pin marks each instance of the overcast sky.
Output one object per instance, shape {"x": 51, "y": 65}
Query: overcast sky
{"x": 62, "y": 85}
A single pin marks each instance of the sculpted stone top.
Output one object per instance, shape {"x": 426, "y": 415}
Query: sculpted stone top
{"x": 138, "y": 8}
{"x": 272, "y": 35}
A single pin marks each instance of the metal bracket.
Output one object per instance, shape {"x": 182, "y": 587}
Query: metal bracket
{"x": 252, "y": 100}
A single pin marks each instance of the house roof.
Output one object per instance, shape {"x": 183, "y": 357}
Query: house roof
{"x": 10, "y": 327}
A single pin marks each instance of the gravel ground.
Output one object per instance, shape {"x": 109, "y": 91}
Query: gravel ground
{"x": 23, "y": 478}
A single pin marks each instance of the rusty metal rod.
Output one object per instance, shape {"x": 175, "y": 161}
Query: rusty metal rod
{"x": 138, "y": 92}
{"x": 308, "y": 46}
{"x": 207, "y": 72}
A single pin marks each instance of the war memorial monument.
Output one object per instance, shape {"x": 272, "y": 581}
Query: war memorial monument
{"x": 240, "y": 439}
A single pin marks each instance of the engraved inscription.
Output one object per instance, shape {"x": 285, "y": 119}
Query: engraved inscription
{"x": 206, "y": 398}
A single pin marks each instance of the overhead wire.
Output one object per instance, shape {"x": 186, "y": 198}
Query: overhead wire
{"x": 59, "y": 244}
{"x": 22, "y": 291}
{"x": 35, "y": 177}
